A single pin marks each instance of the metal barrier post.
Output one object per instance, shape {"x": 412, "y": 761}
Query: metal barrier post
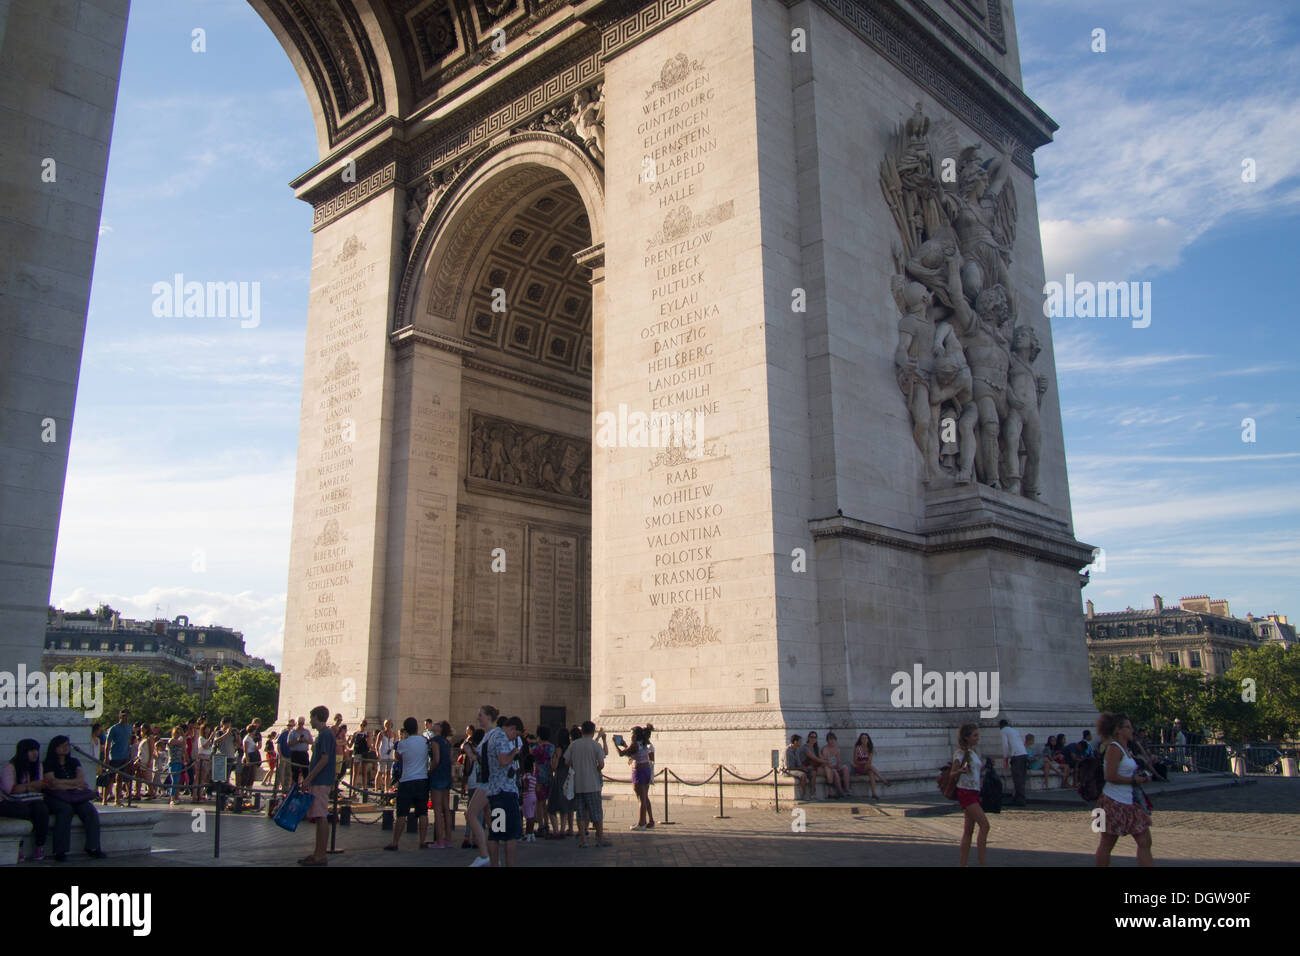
{"x": 722, "y": 814}
{"x": 665, "y": 822}
{"x": 334, "y": 820}
{"x": 216, "y": 837}
{"x": 776, "y": 791}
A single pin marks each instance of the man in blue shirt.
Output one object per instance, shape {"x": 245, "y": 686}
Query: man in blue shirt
{"x": 119, "y": 754}
{"x": 318, "y": 781}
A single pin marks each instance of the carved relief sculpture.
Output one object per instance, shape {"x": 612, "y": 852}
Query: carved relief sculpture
{"x": 526, "y": 457}
{"x": 973, "y": 403}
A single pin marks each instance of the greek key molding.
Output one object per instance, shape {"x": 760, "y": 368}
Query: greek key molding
{"x": 645, "y": 23}
{"x": 357, "y": 193}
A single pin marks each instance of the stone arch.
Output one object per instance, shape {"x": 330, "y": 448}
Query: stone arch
{"x": 443, "y": 255}
{"x": 348, "y": 59}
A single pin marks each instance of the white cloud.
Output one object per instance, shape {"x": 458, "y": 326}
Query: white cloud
{"x": 1150, "y": 155}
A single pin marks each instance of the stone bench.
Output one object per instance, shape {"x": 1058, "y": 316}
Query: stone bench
{"x": 121, "y": 831}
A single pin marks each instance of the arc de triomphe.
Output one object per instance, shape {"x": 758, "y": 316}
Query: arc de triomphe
{"x": 811, "y": 225}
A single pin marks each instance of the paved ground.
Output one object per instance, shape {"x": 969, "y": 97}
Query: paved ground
{"x": 1252, "y": 824}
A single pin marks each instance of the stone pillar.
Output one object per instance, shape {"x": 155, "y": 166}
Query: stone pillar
{"x": 59, "y": 70}
{"x": 688, "y": 634}
{"x": 334, "y": 610}
{"x": 415, "y": 662}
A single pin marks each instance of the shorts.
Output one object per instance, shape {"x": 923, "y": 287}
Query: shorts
{"x": 300, "y": 758}
{"x": 120, "y": 766}
{"x": 968, "y": 798}
{"x": 643, "y": 775}
{"x": 412, "y": 797}
{"x": 1124, "y": 819}
{"x": 320, "y": 803}
{"x": 504, "y": 821}
{"x": 530, "y": 806}
{"x": 440, "y": 781}
{"x": 588, "y": 806}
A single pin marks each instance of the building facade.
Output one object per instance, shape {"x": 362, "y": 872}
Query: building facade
{"x": 191, "y": 655}
{"x": 1199, "y": 634}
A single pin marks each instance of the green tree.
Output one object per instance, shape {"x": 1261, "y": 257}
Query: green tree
{"x": 244, "y": 694}
{"x": 1274, "y": 676}
{"x": 151, "y": 698}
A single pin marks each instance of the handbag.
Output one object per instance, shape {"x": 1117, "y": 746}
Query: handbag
{"x": 947, "y": 781}
{"x": 73, "y": 797}
{"x": 293, "y": 809}
{"x": 568, "y": 785}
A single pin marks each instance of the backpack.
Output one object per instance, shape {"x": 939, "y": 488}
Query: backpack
{"x": 484, "y": 771}
{"x": 991, "y": 791}
{"x": 947, "y": 782}
{"x": 1092, "y": 778}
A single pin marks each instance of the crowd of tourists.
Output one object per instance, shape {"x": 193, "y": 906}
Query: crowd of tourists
{"x": 518, "y": 786}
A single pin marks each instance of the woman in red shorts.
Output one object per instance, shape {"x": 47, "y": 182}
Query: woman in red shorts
{"x": 1122, "y": 801}
{"x": 971, "y": 767}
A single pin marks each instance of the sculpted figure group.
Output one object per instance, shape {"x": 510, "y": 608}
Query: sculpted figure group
{"x": 963, "y": 363}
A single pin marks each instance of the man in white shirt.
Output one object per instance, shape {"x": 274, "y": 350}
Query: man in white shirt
{"x": 1015, "y": 754}
{"x": 413, "y": 788}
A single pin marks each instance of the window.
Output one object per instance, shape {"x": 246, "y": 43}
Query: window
{"x": 1195, "y": 657}
{"x": 202, "y": 638}
{"x": 1174, "y": 659}
{"x": 128, "y": 647}
{"x": 85, "y": 645}
{"x": 67, "y": 645}
{"x": 103, "y": 645}
{"x": 148, "y": 647}
{"x": 1146, "y": 659}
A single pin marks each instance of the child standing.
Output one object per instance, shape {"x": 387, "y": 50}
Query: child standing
{"x": 528, "y": 790}
{"x": 272, "y": 759}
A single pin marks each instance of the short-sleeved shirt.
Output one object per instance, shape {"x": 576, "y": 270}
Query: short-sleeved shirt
{"x": 323, "y": 754}
{"x": 414, "y": 755}
{"x": 119, "y": 742}
{"x": 500, "y": 779}
{"x": 227, "y": 744}
{"x": 584, "y": 756}
{"x": 300, "y": 740}
{"x": 283, "y": 742}
{"x": 793, "y": 757}
{"x": 970, "y": 780}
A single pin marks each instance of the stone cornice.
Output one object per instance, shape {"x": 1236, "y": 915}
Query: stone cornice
{"x": 410, "y": 335}
{"x": 986, "y": 99}
{"x": 535, "y": 381}
{"x": 967, "y": 523}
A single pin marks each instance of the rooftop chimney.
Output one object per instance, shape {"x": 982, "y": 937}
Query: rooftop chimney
{"x": 1160, "y": 604}
{"x": 1092, "y": 612}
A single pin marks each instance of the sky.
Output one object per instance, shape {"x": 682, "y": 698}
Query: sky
{"x": 180, "y": 480}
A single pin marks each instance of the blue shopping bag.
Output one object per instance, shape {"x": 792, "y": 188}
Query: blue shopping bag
{"x": 294, "y": 808}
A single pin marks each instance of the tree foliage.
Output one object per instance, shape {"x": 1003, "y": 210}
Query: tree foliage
{"x": 1153, "y": 699}
{"x": 244, "y": 694}
{"x": 151, "y": 698}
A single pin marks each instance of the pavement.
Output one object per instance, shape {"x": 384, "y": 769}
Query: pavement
{"x": 1248, "y": 823}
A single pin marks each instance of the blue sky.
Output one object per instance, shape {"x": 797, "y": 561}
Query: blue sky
{"x": 180, "y": 480}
